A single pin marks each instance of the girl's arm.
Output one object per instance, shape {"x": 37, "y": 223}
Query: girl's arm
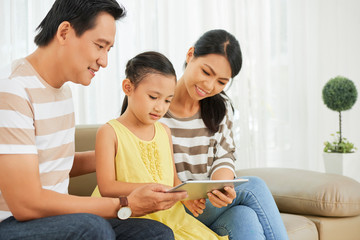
{"x": 105, "y": 152}
{"x": 196, "y": 207}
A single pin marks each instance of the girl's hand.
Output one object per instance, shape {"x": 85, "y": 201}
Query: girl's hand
{"x": 221, "y": 199}
{"x": 196, "y": 207}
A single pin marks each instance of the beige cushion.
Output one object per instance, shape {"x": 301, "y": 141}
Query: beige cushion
{"x": 85, "y": 136}
{"x": 311, "y": 193}
{"x": 299, "y": 227}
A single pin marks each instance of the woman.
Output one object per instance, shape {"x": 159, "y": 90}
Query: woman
{"x": 200, "y": 119}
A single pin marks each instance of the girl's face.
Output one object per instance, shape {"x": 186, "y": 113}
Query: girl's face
{"x": 207, "y": 75}
{"x": 150, "y": 100}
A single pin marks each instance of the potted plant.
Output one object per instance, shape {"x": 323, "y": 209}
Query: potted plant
{"x": 340, "y": 94}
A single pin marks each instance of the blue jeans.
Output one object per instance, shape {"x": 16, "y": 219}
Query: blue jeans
{"x": 252, "y": 215}
{"x": 83, "y": 226}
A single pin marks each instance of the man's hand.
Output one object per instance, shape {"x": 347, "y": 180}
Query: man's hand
{"x": 221, "y": 199}
{"x": 152, "y": 198}
{"x": 196, "y": 207}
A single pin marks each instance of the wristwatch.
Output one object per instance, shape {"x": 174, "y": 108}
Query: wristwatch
{"x": 124, "y": 211}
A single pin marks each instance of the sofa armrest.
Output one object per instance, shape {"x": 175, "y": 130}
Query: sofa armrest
{"x": 308, "y": 192}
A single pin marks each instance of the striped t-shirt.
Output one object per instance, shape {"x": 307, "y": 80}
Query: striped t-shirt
{"x": 198, "y": 152}
{"x": 36, "y": 118}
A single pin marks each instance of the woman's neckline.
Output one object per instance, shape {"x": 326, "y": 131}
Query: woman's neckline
{"x": 195, "y": 116}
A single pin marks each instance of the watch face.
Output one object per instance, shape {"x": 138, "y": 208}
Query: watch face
{"x": 124, "y": 213}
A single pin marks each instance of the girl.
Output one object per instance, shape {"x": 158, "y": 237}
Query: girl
{"x": 200, "y": 119}
{"x": 141, "y": 146}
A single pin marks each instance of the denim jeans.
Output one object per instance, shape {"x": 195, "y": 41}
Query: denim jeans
{"x": 252, "y": 215}
{"x": 83, "y": 226}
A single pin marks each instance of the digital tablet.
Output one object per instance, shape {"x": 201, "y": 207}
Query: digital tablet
{"x": 199, "y": 188}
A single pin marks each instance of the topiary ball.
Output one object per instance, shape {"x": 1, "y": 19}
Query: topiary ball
{"x": 339, "y": 94}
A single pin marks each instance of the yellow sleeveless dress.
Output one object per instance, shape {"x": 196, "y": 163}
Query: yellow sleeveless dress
{"x": 141, "y": 161}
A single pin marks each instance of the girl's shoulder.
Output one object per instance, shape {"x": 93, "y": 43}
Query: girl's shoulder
{"x": 163, "y": 126}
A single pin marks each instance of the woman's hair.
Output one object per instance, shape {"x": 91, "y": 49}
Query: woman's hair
{"x": 80, "y": 13}
{"x": 143, "y": 64}
{"x": 218, "y": 41}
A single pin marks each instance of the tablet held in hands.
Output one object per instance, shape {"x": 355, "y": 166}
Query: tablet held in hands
{"x": 199, "y": 188}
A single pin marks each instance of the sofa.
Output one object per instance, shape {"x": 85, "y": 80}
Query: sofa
{"x": 313, "y": 205}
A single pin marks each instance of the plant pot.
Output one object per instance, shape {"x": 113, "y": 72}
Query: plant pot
{"x": 347, "y": 164}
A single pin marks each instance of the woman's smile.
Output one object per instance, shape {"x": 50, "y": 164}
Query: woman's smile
{"x": 200, "y": 92}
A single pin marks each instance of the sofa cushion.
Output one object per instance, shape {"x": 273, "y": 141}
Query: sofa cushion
{"x": 299, "y": 227}
{"x": 311, "y": 193}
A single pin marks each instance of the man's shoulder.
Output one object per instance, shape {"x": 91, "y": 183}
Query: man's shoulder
{"x": 17, "y": 77}
{"x": 7, "y": 71}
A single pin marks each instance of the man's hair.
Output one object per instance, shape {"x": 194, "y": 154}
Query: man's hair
{"x": 80, "y": 13}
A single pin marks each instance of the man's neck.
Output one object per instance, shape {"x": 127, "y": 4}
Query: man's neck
{"x": 44, "y": 61}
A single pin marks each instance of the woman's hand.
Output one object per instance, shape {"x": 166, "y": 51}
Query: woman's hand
{"x": 221, "y": 199}
{"x": 196, "y": 207}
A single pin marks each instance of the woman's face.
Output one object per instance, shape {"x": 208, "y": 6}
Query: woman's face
{"x": 207, "y": 75}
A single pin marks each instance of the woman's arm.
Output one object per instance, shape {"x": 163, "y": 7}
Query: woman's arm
{"x": 224, "y": 166}
{"x": 105, "y": 152}
{"x": 222, "y": 174}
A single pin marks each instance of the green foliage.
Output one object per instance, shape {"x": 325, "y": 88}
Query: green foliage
{"x": 339, "y": 147}
{"x": 339, "y": 94}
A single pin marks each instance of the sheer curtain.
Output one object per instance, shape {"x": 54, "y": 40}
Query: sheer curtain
{"x": 290, "y": 49}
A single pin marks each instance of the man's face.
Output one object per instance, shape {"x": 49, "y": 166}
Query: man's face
{"x": 86, "y": 54}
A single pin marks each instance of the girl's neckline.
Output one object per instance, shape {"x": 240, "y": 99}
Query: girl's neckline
{"x": 133, "y": 134}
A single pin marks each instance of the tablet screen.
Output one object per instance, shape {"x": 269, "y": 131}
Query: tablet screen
{"x": 199, "y": 188}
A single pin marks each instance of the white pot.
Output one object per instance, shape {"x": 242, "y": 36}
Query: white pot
{"x": 347, "y": 164}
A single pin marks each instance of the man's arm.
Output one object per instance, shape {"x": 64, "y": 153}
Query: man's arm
{"x": 84, "y": 162}
{"x": 21, "y": 187}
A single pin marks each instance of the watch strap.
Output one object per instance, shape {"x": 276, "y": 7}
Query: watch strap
{"x": 123, "y": 201}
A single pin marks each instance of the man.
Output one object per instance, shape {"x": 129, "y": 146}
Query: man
{"x": 37, "y": 136}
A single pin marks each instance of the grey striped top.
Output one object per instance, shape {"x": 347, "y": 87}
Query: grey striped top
{"x": 198, "y": 152}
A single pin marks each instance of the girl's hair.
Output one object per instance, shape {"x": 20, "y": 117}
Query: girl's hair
{"x": 143, "y": 64}
{"x": 81, "y": 14}
{"x": 218, "y": 41}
